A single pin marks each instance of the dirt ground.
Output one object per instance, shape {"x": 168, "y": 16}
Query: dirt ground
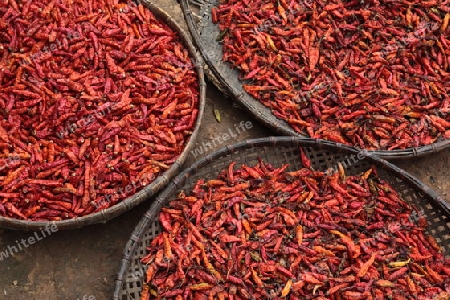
{"x": 82, "y": 264}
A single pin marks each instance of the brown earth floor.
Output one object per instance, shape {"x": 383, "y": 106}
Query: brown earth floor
{"x": 83, "y": 263}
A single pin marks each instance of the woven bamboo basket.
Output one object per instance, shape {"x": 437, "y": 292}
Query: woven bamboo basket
{"x": 276, "y": 151}
{"x": 154, "y": 187}
{"x": 204, "y": 32}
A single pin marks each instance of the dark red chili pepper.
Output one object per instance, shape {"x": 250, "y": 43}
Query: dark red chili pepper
{"x": 77, "y": 114}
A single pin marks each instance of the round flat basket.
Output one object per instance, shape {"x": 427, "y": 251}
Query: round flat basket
{"x": 206, "y": 35}
{"x": 277, "y": 151}
{"x": 162, "y": 179}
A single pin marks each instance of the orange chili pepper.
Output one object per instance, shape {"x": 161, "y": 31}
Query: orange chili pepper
{"x": 287, "y": 288}
{"x": 445, "y": 22}
{"x": 299, "y": 234}
{"x": 365, "y": 267}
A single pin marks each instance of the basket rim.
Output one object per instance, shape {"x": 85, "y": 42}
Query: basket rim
{"x": 265, "y": 115}
{"x": 178, "y": 182}
{"x": 154, "y": 187}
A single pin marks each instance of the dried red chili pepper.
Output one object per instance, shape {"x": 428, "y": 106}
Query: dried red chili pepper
{"x": 247, "y": 238}
{"x": 318, "y": 63}
{"x": 74, "y": 112}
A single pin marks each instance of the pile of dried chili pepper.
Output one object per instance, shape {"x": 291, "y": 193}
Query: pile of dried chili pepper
{"x": 97, "y": 98}
{"x": 372, "y": 73}
{"x": 266, "y": 233}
